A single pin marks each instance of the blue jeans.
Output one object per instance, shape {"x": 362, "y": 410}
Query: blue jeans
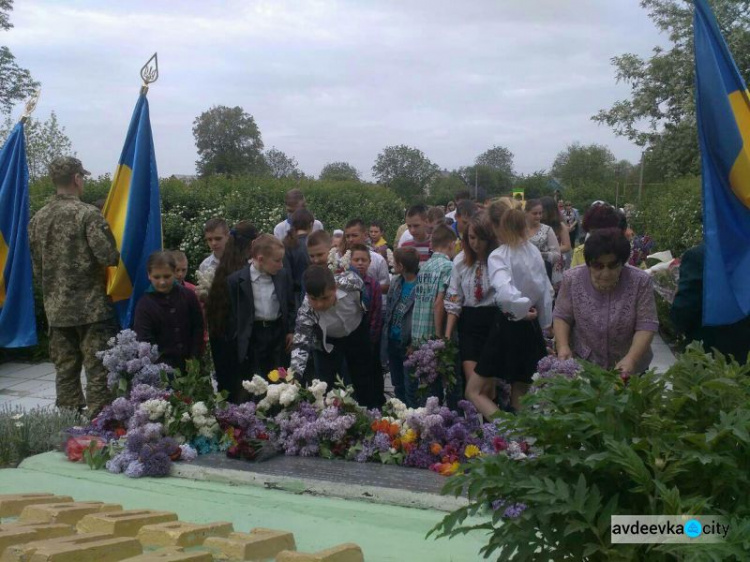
{"x": 404, "y": 385}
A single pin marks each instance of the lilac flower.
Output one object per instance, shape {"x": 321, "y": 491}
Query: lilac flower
{"x": 550, "y": 366}
{"x": 187, "y": 453}
{"x": 514, "y": 510}
{"x": 142, "y": 392}
{"x": 382, "y": 442}
{"x": 156, "y": 463}
{"x": 135, "y": 469}
{"x": 122, "y": 409}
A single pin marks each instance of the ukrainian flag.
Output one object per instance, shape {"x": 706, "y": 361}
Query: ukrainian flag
{"x": 133, "y": 212}
{"x": 723, "y": 113}
{"x": 17, "y": 320}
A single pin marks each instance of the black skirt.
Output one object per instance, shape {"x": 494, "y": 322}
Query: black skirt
{"x": 474, "y": 327}
{"x": 513, "y": 350}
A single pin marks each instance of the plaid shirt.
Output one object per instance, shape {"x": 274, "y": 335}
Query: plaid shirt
{"x": 433, "y": 279}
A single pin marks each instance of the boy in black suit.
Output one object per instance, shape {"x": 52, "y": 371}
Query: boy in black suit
{"x": 262, "y": 308}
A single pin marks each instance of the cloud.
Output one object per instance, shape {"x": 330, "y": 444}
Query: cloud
{"x": 333, "y": 80}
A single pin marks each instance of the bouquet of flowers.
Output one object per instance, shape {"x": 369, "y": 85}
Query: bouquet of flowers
{"x": 204, "y": 280}
{"x": 434, "y": 360}
{"x": 245, "y": 434}
{"x": 337, "y": 263}
{"x": 640, "y": 249}
{"x": 550, "y": 366}
{"x": 130, "y": 362}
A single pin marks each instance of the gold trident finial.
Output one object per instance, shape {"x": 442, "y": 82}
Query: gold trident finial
{"x": 31, "y": 105}
{"x": 150, "y": 73}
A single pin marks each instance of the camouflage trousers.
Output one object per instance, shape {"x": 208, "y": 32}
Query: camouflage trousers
{"x": 73, "y": 347}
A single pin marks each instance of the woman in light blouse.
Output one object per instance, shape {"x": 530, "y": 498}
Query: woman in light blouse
{"x": 541, "y": 235}
{"x": 524, "y": 294}
{"x": 470, "y": 299}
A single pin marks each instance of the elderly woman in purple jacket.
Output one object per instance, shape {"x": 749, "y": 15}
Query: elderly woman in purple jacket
{"x": 605, "y": 311}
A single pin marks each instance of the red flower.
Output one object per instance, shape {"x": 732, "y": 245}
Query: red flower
{"x": 120, "y": 431}
{"x": 75, "y": 446}
{"x": 500, "y": 444}
{"x": 524, "y": 447}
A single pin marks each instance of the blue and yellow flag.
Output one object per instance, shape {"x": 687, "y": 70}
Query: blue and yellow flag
{"x": 723, "y": 113}
{"x": 133, "y": 211}
{"x": 17, "y": 320}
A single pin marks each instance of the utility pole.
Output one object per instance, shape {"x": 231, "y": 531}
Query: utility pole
{"x": 640, "y": 182}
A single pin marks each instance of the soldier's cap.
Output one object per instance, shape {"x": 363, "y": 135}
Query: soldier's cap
{"x": 66, "y": 166}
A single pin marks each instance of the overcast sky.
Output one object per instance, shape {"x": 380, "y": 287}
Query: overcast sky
{"x": 336, "y": 80}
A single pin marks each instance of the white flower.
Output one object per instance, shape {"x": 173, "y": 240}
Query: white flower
{"x": 318, "y": 388}
{"x": 337, "y": 262}
{"x": 264, "y": 405}
{"x": 257, "y": 386}
{"x": 156, "y": 408}
{"x": 19, "y": 424}
{"x": 392, "y": 451}
{"x": 199, "y": 408}
{"x": 514, "y": 451}
{"x": 17, "y": 416}
{"x": 185, "y": 417}
{"x": 274, "y": 392}
{"x": 289, "y": 395}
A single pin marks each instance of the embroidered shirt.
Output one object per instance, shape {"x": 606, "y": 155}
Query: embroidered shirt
{"x": 469, "y": 286}
{"x": 280, "y": 230}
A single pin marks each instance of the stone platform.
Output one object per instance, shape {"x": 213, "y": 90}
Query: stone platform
{"x": 371, "y": 482}
{"x": 384, "y": 532}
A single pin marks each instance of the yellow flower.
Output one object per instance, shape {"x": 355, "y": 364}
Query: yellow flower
{"x": 409, "y": 437}
{"x": 273, "y": 376}
{"x": 472, "y": 451}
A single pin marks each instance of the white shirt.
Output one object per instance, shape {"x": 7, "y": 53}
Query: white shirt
{"x": 342, "y": 318}
{"x": 266, "y": 302}
{"x": 462, "y": 288}
{"x": 520, "y": 281}
{"x": 379, "y": 269}
{"x": 451, "y": 215}
{"x": 211, "y": 262}
{"x": 405, "y": 237}
{"x": 280, "y": 230}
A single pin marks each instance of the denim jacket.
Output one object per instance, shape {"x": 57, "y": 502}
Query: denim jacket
{"x": 394, "y": 296}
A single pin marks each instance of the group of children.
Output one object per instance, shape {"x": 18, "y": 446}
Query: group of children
{"x": 332, "y": 309}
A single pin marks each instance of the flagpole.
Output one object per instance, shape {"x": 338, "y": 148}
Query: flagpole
{"x": 149, "y": 73}
{"x": 31, "y": 105}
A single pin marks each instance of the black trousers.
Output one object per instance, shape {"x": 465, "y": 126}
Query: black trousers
{"x": 266, "y": 350}
{"x": 363, "y": 365}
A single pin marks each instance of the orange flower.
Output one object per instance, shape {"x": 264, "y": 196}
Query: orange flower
{"x": 393, "y": 430}
{"x": 374, "y": 426}
{"x": 435, "y": 448}
{"x": 446, "y": 469}
{"x": 396, "y": 443}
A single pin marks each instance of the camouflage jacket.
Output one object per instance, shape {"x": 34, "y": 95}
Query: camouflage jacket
{"x": 308, "y": 334}
{"x": 71, "y": 247}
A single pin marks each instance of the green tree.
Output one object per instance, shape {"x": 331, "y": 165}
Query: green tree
{"x": 279, "y": 165}
{"x": 228, "y": 142}
{"x": 535, "y": 185}
{"x": 406, "y": 170}
{"x": 16, "y": 83}
{"x": 45, "y": 141}
{"x": 339, "y": 171}
{"x": 445, "y": 187}
{"x": 592, "y": 164}
{"x": 660, "y": 113}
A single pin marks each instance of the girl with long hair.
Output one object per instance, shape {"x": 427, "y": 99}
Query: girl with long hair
{"x": 222, "y": 336}
{"x": 470, "y": 298}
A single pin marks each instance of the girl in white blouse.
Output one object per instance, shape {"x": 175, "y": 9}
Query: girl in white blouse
{"x": 542, "y": 236}
{"x": 524, "y": 294}
{"x": 470, "y": 299}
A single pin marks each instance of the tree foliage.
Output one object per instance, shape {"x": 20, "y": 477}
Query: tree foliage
{"x": 660, "y": 113}
{"x": 228, "y": 142}
{"x": 579, "y": 163}
{"x": 445, "y": 187}
{"x": 339, "y": 171}
{"x": 535, "y": 185}
{"x": 45, "y": 141}
{"x": 16, "y": 83}
{"x": 406, "y": 170}
{"x": 279, "y": 165}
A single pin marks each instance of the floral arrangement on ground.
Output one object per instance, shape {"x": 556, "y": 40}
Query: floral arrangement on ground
{"x": 162, "y": 416}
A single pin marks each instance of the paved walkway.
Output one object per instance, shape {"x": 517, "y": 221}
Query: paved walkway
{"x": 28, "y": 385}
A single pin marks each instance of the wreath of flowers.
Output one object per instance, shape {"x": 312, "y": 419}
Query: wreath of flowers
{"x": 338, "y": 263}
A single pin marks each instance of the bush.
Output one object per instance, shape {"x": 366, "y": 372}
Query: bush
{"x": 671, "y": 215}
{"x": 185, "y": 208}
{"x": 677, "y": 443}
{"x": 26, "y": 433}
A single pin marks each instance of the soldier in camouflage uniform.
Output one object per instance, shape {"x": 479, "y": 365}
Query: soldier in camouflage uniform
{"x": 71, "y": 247}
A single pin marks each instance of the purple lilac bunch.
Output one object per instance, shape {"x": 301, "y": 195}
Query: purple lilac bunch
{"x": 434, "y": 360}
{"x": 148, "y": 452}
{"x": 510, "y": 510}
{"x": 130, "y": 362}
{"x": 550, "y": 366}
{"x": 305, "y": 430}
